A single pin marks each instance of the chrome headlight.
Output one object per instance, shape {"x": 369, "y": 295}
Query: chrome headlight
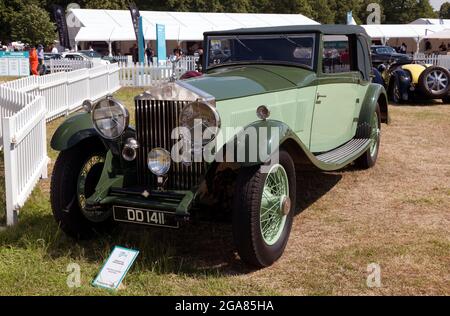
{"x": 158, "y": 161}
{"x": 110, "y": 118}
{"x": 201, "y": 115}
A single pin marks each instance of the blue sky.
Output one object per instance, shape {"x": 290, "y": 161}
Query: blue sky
{"x": 437, "y": 4}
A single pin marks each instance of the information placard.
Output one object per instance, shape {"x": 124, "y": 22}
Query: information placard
{"x": 115, "y": 268}
{"x": 14, "y": 64}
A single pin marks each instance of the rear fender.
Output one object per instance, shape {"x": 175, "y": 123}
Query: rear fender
{"x": 376, "y": 94}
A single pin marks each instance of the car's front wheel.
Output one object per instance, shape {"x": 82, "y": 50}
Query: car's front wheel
{"x": 264, "y": 203}
{"x": 75, "y": 176}
{"x": 395, "y": 93}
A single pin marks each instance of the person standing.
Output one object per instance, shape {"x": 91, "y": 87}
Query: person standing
{"x": 54, "y": 49}
{"x": 34, "y": 61}
{"x": 40, "y": 55}
{"x": 403, "y": 48}
{"x": 135, "y": 53}
{"x": 150, "y": 54}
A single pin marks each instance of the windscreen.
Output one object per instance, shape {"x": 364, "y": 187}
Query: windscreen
{"x": 277, "y": 49}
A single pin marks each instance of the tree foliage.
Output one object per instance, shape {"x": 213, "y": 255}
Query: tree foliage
{"x": 32, "y": 25}
{"x": 444, "y": 12}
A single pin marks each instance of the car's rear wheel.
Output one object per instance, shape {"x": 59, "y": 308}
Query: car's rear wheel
{"x": 263, "y": 211}
{"x": 434, "y": 82}
{"x": 75, "y": 175}
{"x": 369, "y": 158}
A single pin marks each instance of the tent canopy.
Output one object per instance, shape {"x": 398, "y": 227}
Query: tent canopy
{"x": 415, "y": 31}
{"x": 445, "y": 34}
{"x": 116, "y": 25}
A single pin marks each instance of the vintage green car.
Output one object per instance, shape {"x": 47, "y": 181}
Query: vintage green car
{"x": 271, "y": 102}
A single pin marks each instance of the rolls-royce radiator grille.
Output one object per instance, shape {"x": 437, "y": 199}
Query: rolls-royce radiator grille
{"x": 155, "y": 120}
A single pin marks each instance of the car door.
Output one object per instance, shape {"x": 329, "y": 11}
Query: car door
{"x": 337, "y": 96}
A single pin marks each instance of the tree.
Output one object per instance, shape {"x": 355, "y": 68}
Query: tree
{"x": 321, "y": 11}
{"x": 32, "y": 25}
{"x": 106, "y": 4}
{"x": 406, "y": 11}
{"x": 444, "y": 12}
{"x": 423, "y": 9}
{"x": 341, "y": 7}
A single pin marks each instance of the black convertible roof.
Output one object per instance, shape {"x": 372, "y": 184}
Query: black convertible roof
{"x": 331, "y": 29}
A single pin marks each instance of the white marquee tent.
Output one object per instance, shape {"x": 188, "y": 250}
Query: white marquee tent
{"x": 116, "y": 25}
{"x": 395, "y": 34}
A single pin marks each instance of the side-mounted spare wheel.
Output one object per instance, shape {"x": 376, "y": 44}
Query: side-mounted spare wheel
{"x": 434, "y": 82}
{"x": 263, "y": 209}
{"x": 75, "y": 175}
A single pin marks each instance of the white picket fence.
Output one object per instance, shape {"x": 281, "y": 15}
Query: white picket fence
{"x": 25, "y": 106}
{"x": 60, "y": 65}
{"x": 434, "y": 59}
{"x": 143, "y": 74}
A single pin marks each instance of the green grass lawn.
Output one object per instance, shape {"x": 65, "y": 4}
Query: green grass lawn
{"x": 395, "y": 214}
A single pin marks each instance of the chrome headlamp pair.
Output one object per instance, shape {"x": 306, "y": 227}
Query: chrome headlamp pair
{"x": 109, "y": 117}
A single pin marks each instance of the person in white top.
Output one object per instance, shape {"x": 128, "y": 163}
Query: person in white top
{"x": 54, "y": 50}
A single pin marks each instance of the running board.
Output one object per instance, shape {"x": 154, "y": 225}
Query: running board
{"x": 346, "y": 152}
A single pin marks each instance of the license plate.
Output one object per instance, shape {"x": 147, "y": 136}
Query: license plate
{"x": 144, "y": 217}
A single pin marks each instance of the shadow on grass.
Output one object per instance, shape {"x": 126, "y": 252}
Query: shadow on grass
{"x": 197, "y": 249}
{"x": 419, "y": 102}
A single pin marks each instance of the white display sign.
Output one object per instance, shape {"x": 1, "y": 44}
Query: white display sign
{"x": 115, "y": 268}
{"x": 3, "y": 67}
{"x": 14, "y": 64}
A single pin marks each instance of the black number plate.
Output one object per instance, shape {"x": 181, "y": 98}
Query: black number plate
{"x": 144, "y": 217}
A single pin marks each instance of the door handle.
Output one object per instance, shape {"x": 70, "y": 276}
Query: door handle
{"x": 318, "y": 98}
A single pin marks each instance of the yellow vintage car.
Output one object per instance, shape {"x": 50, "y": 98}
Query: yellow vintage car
{"x": 415, "y": 81}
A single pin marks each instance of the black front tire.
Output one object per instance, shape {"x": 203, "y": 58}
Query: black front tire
{"x": 247, "y": 233}
{"x": 395, "y": 93}
{"x": 64, "y": 196}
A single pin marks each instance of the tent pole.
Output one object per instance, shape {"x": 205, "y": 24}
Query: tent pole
{"x": 110, "y": 48}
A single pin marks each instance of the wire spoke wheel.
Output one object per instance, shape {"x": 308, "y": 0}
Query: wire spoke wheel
{"x": 437, "y": 81}
{"x": 374, "y": 135}
{"x": 275, "y": 195}
{"x": 87, "y": 181}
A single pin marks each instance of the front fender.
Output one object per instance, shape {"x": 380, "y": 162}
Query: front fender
{"x": 403, "y": 79}
{"x": 75, "y": 129}
{"x": 376, "y": 94}
{"x": 271, "y": 135}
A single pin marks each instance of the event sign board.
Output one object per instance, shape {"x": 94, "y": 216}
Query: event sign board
{"x": 115, "y": 268}
{"x": 161, "y": 43}
{"x": 14, "y": 64}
